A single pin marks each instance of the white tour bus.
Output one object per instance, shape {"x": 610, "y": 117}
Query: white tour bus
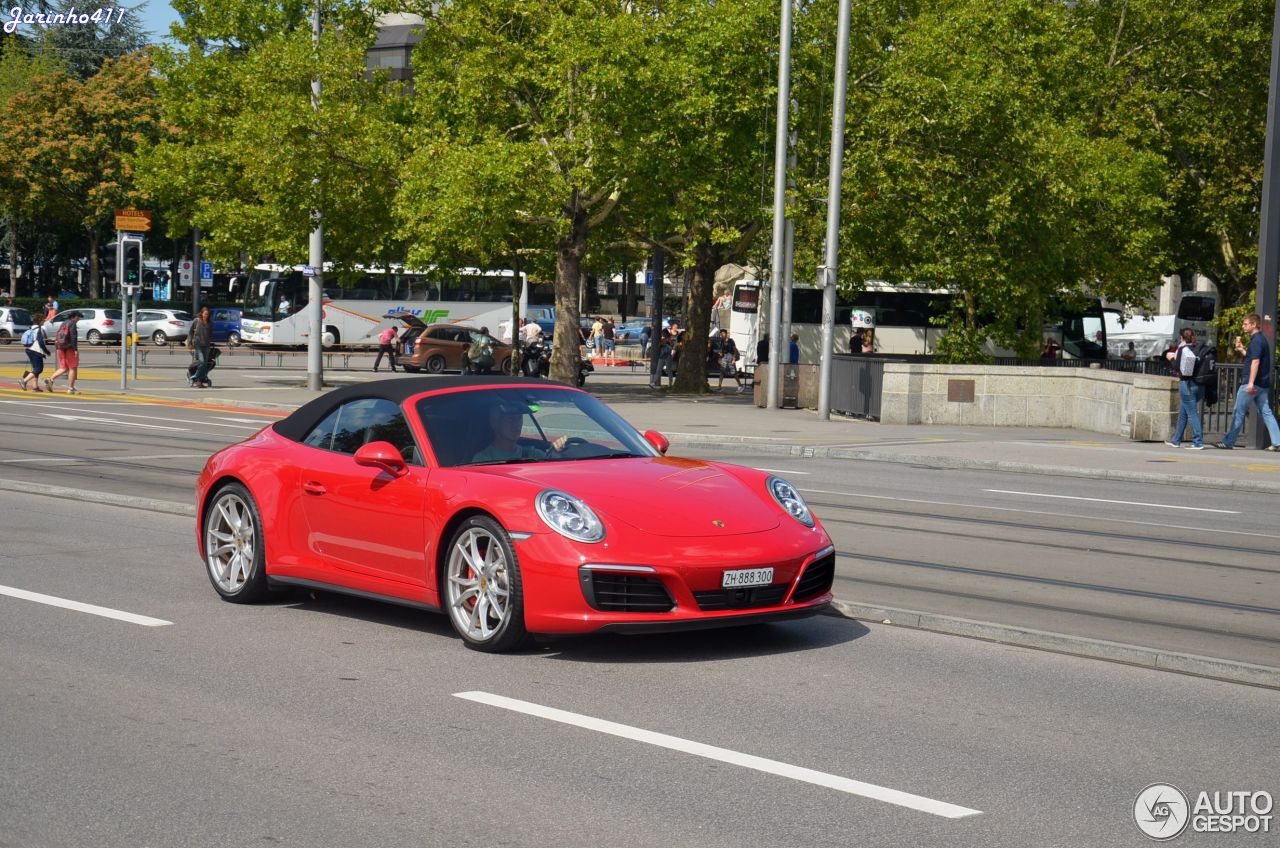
{"x": 903, "y": 320}
{"x": 275, "y": 298}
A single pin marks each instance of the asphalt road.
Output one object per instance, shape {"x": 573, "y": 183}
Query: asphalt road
{"x": 1188, "y": 570}
{"x": 331, "y": 721}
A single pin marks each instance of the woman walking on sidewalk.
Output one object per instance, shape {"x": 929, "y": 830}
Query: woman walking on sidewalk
{"x": 200, "y": 341}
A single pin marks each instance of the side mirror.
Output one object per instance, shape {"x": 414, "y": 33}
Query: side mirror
{"x": 382, "y": 455}
{"x": 658, "y": 440}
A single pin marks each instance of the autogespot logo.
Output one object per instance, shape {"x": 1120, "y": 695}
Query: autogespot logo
{"x": 1161, "y": 811}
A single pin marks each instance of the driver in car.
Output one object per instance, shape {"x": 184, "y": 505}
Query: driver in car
{"x": 506, "y": 420}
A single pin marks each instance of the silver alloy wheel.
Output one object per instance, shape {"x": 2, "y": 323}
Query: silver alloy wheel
{"x": 229, "y": 542}
{"x": 478, "y": 585}
{"x": 94, "y": 337}
{"x": 159, "y": 338}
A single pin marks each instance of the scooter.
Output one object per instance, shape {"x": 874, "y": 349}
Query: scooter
{"x": 535, "y": 361}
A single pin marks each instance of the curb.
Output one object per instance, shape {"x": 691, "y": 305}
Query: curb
{"x": 126, "y": 501}
{"x": 1059, "y": 643}
{"x": 826, "y": 452}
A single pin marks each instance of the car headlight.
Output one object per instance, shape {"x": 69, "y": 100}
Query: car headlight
{"x": 569, "y": 516}
{"x": 789, "y": 499}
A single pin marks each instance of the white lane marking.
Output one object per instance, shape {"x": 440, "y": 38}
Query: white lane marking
{"x": 99, "y": 420}
{"x": 105, "y": 612}
{"x": 172, "y": 420}
{"x": 862, "y": 496}
{"x": 1108, "y": 501}
{"x": 259, "y": 422}
{"x": 724, "y": 755}
{"x": 778, "y": 471}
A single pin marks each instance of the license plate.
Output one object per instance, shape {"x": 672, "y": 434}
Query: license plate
{"x": 747, "y": 577}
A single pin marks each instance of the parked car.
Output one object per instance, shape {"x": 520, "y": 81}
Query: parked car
{"x": 14, "y": 321}
{"x": 520, "y": 493}
{"x": 163, "y": 326}
{"x": 226, "y": 324}
{"x": 96, "y": 325}
{"x": 441, "y": 347}
{"x": 628, "y": 332}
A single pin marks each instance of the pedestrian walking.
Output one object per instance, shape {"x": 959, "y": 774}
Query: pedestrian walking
{"x": 50, "y": 308}
{"x": 729, "y": 362}
{"x": 1190, "y": 394}
{"x": 67, "y": 345}
{"x": 646, "y": 336}
{"x": 386, "y": 347}
{"x": 793, "y": 350}
{"x": 1255, "y": 386}
{"x": 666, "y": 356}
{"x": 200, "y": 340}
{"x": 37, "y": 346}
{"x": 597, "y": 337}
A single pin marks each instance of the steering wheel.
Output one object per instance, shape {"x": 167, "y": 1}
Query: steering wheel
{"x": 572, "y": 442}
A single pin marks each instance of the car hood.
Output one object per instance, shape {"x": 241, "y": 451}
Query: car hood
{"x": 661, "y": 496}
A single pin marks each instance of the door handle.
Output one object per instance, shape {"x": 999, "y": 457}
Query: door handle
{"x": 311, "y": 487}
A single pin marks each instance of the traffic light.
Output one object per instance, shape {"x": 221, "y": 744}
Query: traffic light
{"x": 132, "y": 271}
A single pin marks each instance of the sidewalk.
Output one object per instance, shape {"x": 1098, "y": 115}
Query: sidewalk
{"x": 732, "y": 421}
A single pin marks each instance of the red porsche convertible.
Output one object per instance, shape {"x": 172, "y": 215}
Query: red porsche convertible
{"x": 512, "y": 505}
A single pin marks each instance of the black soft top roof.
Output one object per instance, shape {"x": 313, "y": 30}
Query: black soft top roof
{"x": 305, "y": 417}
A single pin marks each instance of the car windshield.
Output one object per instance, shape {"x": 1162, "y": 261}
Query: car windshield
{"x": 522, "y": 425}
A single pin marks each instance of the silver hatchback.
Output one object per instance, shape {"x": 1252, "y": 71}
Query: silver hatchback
{"x": 96, "y": 325}
{"x": 163, "y": 326}
{"x": 13, "y": 323}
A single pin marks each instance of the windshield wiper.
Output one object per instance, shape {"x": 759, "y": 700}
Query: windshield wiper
{"x": 613, "y": 455}
{"x": 512, "y": 461}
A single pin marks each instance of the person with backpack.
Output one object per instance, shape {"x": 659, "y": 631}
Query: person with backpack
{"x": 1185, "y": 360}
{"x": 67, "y": 345}
{"x": 1255, "y": 385}
{"x": 37, "y": 346}
{"x": 480, "y": 352}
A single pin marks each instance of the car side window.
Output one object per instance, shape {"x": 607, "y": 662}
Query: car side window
{"x": 359, "y": 422}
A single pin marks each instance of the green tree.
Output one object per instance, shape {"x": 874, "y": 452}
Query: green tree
{"x": 1187, "y": 81}
{"x": 73, "y": 140}
{"x": 709, "y": 81}
{"x": 243, "y": 146}
{"x": 533, "y": 103}
{"x": 974, "y": 168}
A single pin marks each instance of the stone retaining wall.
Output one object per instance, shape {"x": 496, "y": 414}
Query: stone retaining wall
{"x": 1139, "y": 406}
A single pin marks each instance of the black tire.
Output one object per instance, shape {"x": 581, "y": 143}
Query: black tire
{"x": 330, "y": 338}
{"x": 435, "y": 364}
{"x": 497, "y": 586}
{"x": 231, "y": 523}
{"x": 159, "y": 338}
{"x": 508, "y": 366}
{"x": 233, "y": 338}
{"x": 94, "y": 337}
{"x": 5, "y": 338}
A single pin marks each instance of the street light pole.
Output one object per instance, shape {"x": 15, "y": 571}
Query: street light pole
{"x": 831, "y": 260}
{"x": 1269, "y": 226}
{"x": 315, "y": 254}
{"x": 779, "y": 204}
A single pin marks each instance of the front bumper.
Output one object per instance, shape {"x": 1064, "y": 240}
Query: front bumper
{"x": 562, "y": 580}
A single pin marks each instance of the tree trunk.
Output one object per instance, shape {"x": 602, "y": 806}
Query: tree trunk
{"x": 691, "y": 373}
{"x": 569, "y": 252}
{"x": 95, "y": 272}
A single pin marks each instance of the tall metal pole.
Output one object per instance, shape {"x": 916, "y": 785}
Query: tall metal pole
{"x": 658, "y": 268}
{"x": 195, "y": 272}
{"x": 1269, "y": 226}
{"x": 831, "y": 261}
{"x": 124, "y": 310}
{"x": 779, "y": 204}
{"x": 788, "y": 275}
{"x": 315, "y": 254}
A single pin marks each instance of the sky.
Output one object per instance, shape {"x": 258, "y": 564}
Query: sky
{"x": 156, "y": 16}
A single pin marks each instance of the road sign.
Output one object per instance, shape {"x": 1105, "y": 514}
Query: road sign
{"x": 648, "y": 279}
{"x": 206, "y": 272}
{"x": 308, "y": 270}
{"x": 184, "y": 272}
{"x": 137, "y": 220}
